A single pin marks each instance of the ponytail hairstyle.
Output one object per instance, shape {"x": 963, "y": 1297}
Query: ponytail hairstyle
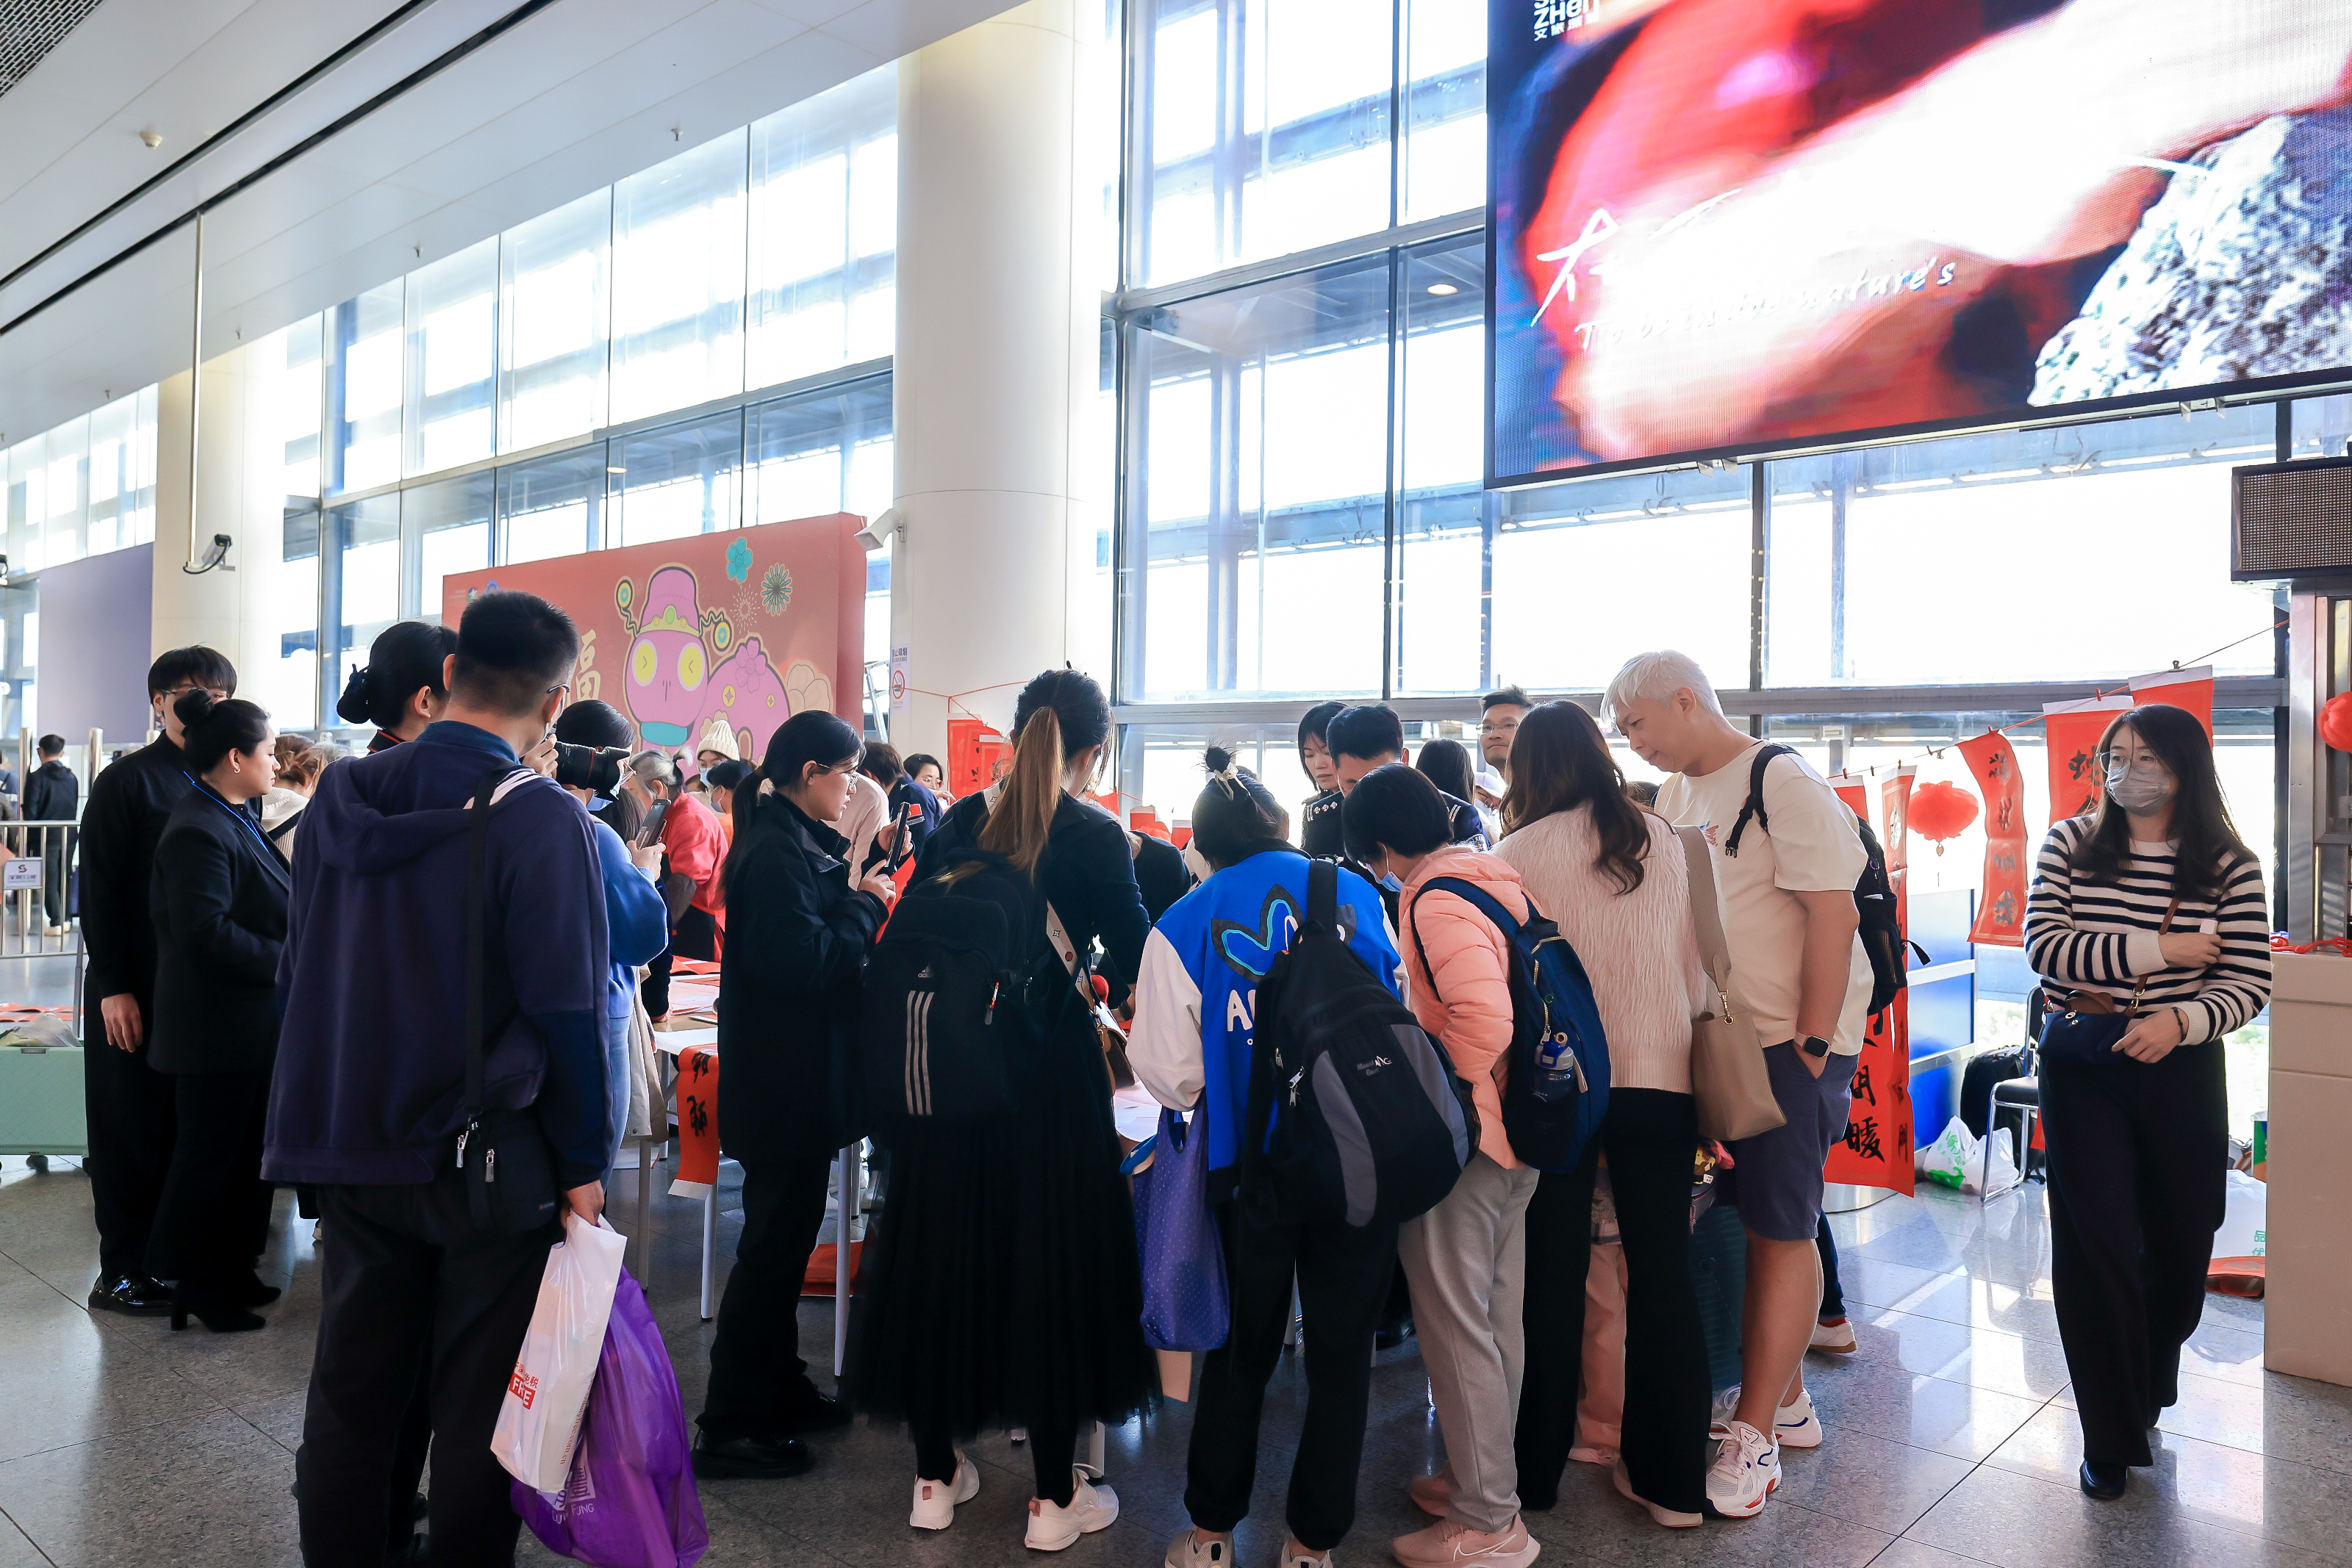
{"x": 1236, "y": 817}
{"x": 215, "y": 728}
{"x": 1060, "y": 714}
{"x": 810, "y": 735}
{"x": 1560, "y": 761}
{"x": 299, "y": 762}
{"x": 406, "y": 658}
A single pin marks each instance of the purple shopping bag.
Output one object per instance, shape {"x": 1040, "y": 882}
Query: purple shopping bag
{"x": 630, "y": 1502}
{"x": 1184, "y": 1301}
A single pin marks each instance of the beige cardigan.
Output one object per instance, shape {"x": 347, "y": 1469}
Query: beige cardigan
{"x": 1640, "y": 948}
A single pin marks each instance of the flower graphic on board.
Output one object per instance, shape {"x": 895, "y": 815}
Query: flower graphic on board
{"x": 776, "y": 589}
{"x": 738, "y": 560}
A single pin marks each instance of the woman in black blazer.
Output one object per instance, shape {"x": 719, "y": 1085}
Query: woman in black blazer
{"x": 800, "y": 921}
{"x": 219, "y": 905}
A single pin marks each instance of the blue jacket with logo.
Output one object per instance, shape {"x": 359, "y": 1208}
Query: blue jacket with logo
{"x": 1196, "y": 999}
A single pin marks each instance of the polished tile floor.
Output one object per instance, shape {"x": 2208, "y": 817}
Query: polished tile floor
{"x": 1950, "y": 1437}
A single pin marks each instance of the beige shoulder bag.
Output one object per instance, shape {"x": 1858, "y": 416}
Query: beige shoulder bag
{"x": 1727, "y": 1074}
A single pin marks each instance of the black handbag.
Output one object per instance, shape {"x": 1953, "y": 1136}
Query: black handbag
{"x": 510, "y": 1170}
{"x": 2083, "y": 1031}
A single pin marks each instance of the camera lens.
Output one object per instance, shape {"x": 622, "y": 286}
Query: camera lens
{"x": 596, "y": 769}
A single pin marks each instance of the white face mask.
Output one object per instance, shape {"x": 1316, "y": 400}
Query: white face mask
{"x": 2138, "y": 788}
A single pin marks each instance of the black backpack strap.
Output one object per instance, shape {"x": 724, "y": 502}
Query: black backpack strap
{"x": 1468, "y": 892}
{"x": 1755, "y": 805}
{"x": 1323, "y": 895}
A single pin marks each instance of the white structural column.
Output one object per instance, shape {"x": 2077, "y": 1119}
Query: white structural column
{"x": 238, "y": 493}
{"x": 995, "y": 364}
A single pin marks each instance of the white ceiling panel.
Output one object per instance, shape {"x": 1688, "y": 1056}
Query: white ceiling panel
{"x": 580, "y": 94}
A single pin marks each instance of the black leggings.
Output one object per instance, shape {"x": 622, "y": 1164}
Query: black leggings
{"x": 1052, "y": 1454}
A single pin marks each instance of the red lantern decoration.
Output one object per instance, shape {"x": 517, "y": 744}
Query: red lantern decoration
{"x": 2335, "y": 721}
{"x": 1941, "y": 812}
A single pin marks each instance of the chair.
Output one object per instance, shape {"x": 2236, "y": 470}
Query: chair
{"x": 2023, "y": 1095}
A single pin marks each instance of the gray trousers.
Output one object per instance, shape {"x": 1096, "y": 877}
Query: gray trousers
{"x": 1466, "y": 1262}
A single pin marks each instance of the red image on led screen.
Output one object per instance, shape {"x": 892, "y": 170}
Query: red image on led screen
{"x": 1724, "y": 226}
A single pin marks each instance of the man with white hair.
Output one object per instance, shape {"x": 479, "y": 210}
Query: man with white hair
{"x": 1788, "y": 855}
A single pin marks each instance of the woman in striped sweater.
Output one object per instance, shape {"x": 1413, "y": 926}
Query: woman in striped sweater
{"x": 2153, "y": 896}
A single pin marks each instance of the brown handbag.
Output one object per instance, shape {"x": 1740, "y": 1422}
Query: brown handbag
{"x": 1727, "y": 1074}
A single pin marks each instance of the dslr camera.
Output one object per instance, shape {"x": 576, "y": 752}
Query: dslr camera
{"x": 596, "y": 769}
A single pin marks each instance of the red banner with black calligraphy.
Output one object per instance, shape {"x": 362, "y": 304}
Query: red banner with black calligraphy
{"x": 2072, "y": 731}
{"x": 1876, "y": 1149}
{"x": 1895, "y": 817}
{"x": 2191, "y": 689}
{"x": 2000, "y": 907}
{"x": 697, "y": 1123}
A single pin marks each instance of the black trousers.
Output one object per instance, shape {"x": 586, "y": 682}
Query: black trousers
{"x": 131, "y": 1115}
{"x": 1832, "y": 1294}
{"x": 1051, "y": 1455}
{"x": 213, "y": 1219}
{"x": 2136, "y": 1189}
{"x": 1343, "y": 1285}
{"x": 54, "y": 901}
{"x": 406, "y": 1271}
{"x": 1650, "y": 1136}
{"x": 757, "y": 1376}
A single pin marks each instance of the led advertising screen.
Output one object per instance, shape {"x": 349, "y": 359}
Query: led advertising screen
{"x": 1723, "y": 227}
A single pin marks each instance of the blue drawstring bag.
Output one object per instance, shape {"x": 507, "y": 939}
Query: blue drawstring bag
{"x": 1184, "y": 1301}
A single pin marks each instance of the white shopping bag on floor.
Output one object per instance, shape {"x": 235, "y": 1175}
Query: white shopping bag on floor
{"x": 2004, "y": 1168}
{"x": 539, "y": 1421}
{"x": 2245, "y": 1221}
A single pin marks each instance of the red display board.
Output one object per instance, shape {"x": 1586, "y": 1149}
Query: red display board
{"x": 753, "y": 626}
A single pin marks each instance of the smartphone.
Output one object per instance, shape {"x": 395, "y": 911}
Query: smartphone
{"x": 902, "y": 842}
{"x": 650, "y": 833}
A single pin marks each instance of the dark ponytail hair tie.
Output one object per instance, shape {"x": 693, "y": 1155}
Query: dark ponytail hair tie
{"x": 354, "y": 706}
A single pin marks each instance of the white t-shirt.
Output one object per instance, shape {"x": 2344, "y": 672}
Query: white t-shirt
{"x": 1813, "y": 847}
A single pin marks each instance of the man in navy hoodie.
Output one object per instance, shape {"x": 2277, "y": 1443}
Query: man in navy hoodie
{"x": 368, "y": 1097}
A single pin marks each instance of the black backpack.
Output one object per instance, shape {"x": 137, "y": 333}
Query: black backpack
{"x": 954, "y": 997}
{"x": 1354, "y": 1113}
{"x": 1873, "y": 893}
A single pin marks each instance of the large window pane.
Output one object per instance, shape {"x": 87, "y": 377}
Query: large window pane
{"x": 291, "y": 684}
{"x": 1446, "y": 113}
{"x": 451, "y": 335}
{"x": 364, "y": 354}
{"x": 551, "y": 323}
{"x": 65, "y": 490}
{"x": 138, "y": 525}
{"x": 448, "y": 529}
{"x": 677, "y": 281}
{"x": 1257, "y": 519}
{"x": 28, "y": 509}
{"x": 363, "y": 590}
{"x": 825, "y": 215}
{"x": 677, "y": 480}
{"x": 824, "y": 452}
{"x": 112, "y": 467}
{"x": 1589, "y": 573}
{"x": 1444, "y": 575}
{"x": 1933, "y": 562}
{"x": 554, "y": 506}
{"x": 1160, "y": 764}
{"x": 1267, "y": 129}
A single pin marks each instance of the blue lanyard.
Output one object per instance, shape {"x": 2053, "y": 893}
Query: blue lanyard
{"x": 207, "y": 791}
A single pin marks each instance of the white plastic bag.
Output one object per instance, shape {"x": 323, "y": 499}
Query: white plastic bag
{"x": 2246, "y": 1219}
{"x": 539, "y": 1421}
{"x": 2004, "y": 1169}
{"x": 1948, "y": 1160}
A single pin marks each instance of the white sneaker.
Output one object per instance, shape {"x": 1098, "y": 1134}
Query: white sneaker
{"x": 1302, "y": 1558}
{"x": 1052, "y": 1527}
{"x": 935, "y": 1502}
{"x": 1747, "y": 1468}
{"x": 1671, "y": 1517}
{"x": 1793, "y": 1426}
{"x": 1837, "y": 1338}
{"x": 1187, "y": 1550}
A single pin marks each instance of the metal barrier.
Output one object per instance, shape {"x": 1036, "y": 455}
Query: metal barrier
{"x": 38, "y": 919}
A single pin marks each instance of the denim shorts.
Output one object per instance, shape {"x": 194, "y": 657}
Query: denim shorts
{"x": 1777, "y": 1175}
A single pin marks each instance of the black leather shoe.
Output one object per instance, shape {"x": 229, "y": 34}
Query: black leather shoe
{"x": 249, "y": 1291}
{"x": 813, "y": 1412}
{"x": 2105, "y": 1482}
{"x": 749, "y": 1459}
{"x": 134, "y": 1295}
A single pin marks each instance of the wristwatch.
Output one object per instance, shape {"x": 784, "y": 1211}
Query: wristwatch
{"x": 1814, "y": 1045}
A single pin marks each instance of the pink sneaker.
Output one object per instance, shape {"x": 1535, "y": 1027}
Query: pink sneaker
{"x": 1430, "y": 1494}
{"x": 1450, "y": 1544}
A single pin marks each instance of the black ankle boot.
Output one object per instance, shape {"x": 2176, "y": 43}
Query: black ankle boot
{"x": 2105, "y": 1482}
{"x": 216, "y": 1312}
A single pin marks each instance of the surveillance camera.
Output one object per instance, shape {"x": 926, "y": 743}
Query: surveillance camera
{"x": 876, "y": 534}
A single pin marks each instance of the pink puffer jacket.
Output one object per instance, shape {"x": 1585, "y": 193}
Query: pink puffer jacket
{"x": 1463, "y": 995}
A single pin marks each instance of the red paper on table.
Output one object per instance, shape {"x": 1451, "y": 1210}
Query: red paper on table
{"x": 2190, "y": 689}
{"x": 976, "y": 755}
{"x": 2001, "y": 908}
{"x": 1895, "y": 817}
{"x": 1851, "y": 790}
{"x": 2072, "y": 731}
{"x": 697, "y": 1123}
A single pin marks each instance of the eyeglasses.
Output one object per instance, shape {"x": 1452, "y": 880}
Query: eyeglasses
{"x": 848, "y": 767}
{"x": 2116, "y": 763}
{"x": 177, "y": 692}
{"x": 1498, "y": 725}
